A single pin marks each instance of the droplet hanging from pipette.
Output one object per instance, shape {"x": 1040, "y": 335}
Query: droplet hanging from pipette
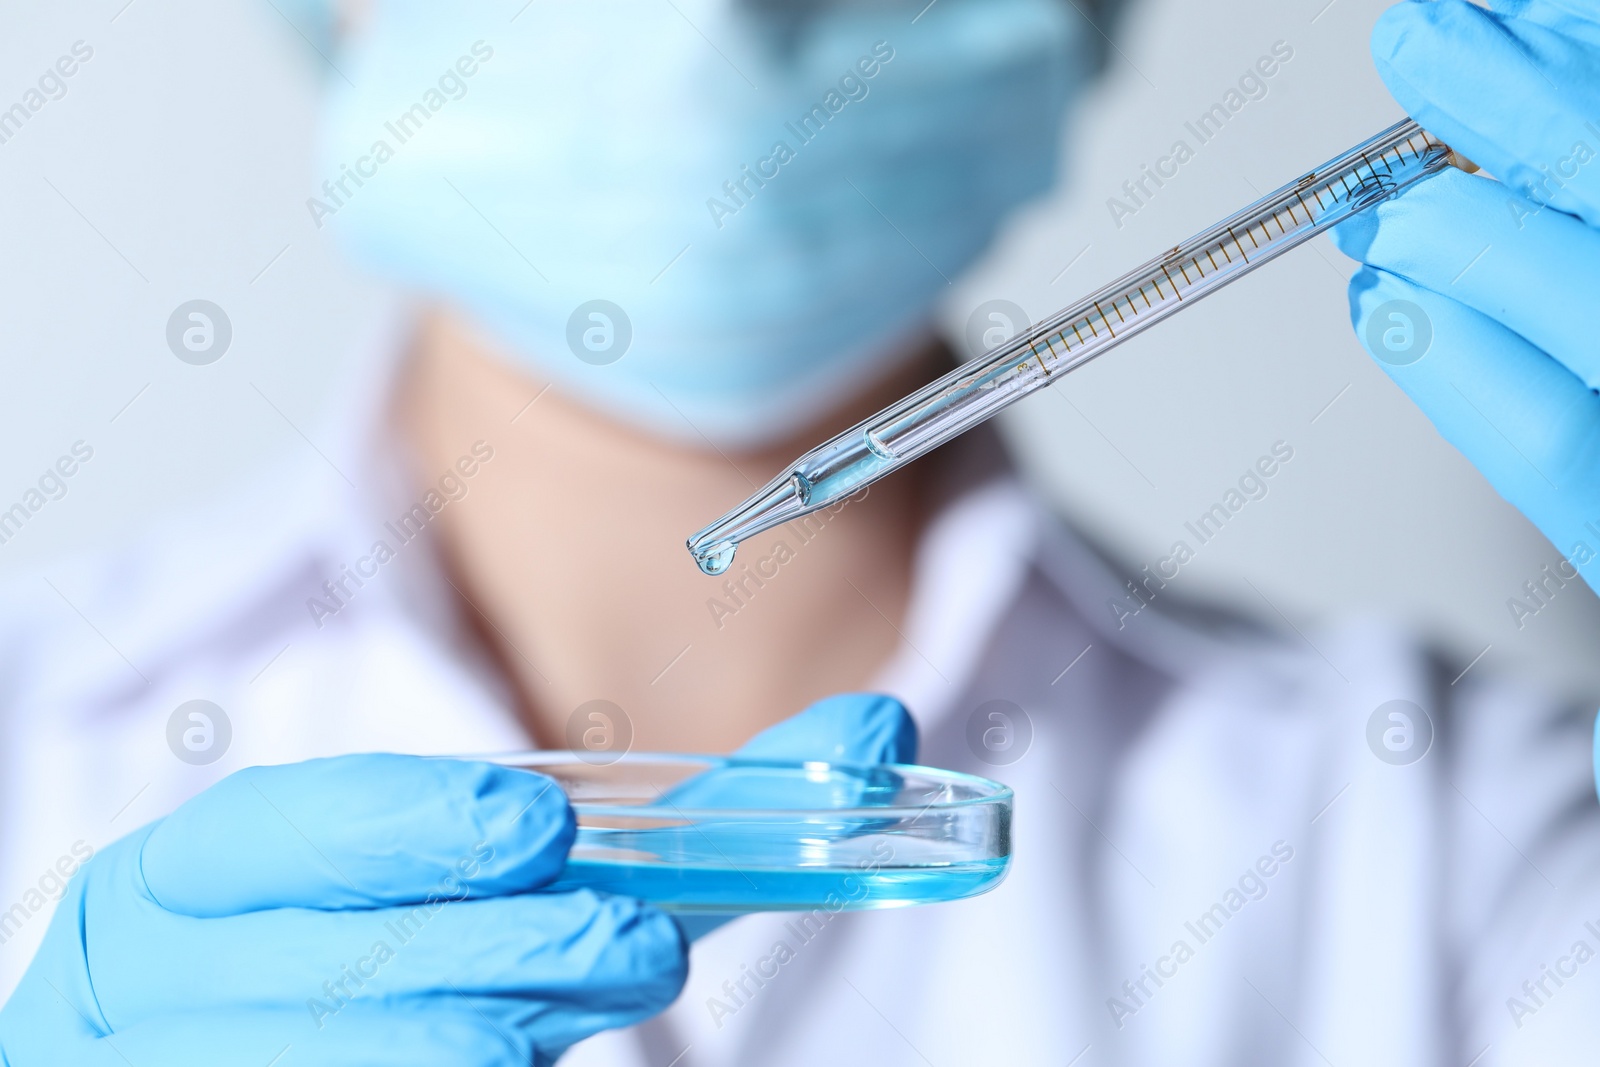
{"x": 716, "y": 558}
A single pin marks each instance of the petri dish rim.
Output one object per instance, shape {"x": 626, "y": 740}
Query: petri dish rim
{"x": 993, "y": 793}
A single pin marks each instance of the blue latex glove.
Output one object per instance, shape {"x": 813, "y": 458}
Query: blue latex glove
{"x": 849, "y": 728}
{"x": 366, "y": 909}
{"x": 363, "y": 909}
{"x": 860, "y": 728}
{"x": 1502, "y": 276}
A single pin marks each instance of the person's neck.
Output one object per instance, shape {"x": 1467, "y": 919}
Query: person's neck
{"x": 569, "y": 546}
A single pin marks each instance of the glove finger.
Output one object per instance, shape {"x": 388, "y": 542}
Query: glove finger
{"x": 1513, "y": 95}
{"x": 361, "y": 1035}
{"x": 847, "y": 728}
{"x": 864, "y": 728}
{"x": 356, "y": 831}
{"x": 1521, "y": 418}
{"x": 1534, "y": 269}
{"x": 1575, "y": 18}
{"x": 565, "y": 960}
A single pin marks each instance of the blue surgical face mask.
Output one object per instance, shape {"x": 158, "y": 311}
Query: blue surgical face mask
{"x": 709, "y": 217}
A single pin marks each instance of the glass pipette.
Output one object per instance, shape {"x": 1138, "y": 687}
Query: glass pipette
{"x": 948, "y": 407}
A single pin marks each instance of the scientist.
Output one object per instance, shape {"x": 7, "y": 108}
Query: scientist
{"x": 657, "y": 238}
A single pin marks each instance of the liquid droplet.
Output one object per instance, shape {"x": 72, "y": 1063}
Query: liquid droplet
{"x": 716, "y": 558}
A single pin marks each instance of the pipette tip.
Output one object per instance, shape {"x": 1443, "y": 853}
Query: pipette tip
{"x": 714, "y": 547}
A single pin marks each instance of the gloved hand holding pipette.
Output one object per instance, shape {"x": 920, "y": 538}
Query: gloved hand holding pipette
{"x": 367, "y": 909}
{"x": 1479, "y": 295}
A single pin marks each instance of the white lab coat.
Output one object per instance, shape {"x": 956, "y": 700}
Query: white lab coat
{"x": 1404, "y": 907}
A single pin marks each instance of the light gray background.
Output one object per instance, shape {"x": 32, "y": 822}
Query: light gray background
{"x": 177, "y": 167}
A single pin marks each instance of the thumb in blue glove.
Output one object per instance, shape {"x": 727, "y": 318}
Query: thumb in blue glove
{"x": 848, "y": 728}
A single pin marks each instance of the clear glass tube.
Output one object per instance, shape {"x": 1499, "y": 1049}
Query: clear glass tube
{"x": 948, "y": 407}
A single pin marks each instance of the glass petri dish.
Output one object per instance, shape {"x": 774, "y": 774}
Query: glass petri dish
{"x": 723, "y": 835}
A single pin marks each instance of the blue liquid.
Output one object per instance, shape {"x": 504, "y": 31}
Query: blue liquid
{"x": 722, "y": 836}
{"x": 725, "y": 890}
{"x": 716, "y": 558}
